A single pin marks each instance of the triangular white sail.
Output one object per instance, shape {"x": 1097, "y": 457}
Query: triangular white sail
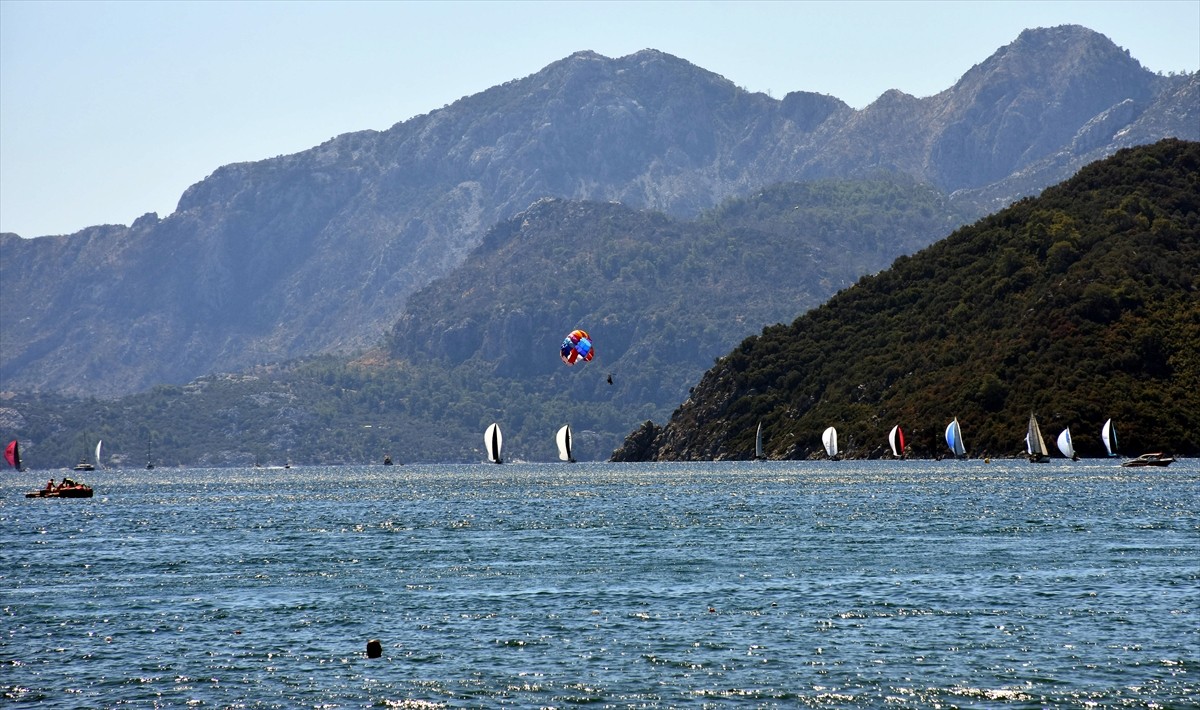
{"x": 1109, "y": 435}
{"x": 98, "y": 445}
{"x": 829, "y": 438}
{"x": 493, "y": 441}
{"x": 1065, "y": 445}
{"x": 758, "y": 445}
{"x": 1035, "y": 445}
{"x": 954, "y": 439}
{"x": 896, "y": 441}
{"x": 563, "y": 439}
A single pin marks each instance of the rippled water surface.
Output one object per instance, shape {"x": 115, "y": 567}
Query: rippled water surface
{"x": 844, "y": 584}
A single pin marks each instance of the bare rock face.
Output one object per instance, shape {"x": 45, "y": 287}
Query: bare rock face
{"x": 640, "y": 445}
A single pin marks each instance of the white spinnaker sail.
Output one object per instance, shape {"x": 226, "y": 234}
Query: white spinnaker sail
{"x": 954, "y": 439}
{"x": 1065, "y": 445}
{"x": 563, "y": 439}
{"x": 829, "y": 438}
{"x": 896, "y": 441}
{"x": 493, "y": 441}
{"x": 1109, "y": 435}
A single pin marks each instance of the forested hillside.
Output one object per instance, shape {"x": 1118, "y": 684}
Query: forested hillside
{"x": 1078, "y": 305}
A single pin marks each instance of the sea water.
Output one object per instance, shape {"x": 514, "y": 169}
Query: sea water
{"x": 823, "y": 584}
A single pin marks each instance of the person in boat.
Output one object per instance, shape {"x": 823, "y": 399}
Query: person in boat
{"x": 50, "y": 485}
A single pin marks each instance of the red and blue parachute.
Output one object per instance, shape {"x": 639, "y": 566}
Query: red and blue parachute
{"x": 577, "y": 346}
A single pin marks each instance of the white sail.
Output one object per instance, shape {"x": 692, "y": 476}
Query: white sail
{"x": 98, "y": 445}
{"x": 1065, "y": 444}
{"x": 896, "y": 441}
{"x": 493, "y": 441}
{"x": 758, "y": 445}
{"x": 1035, "y": 445}
{"x": 1109, "y": 435}
{"x": 829, "y": 438}
{"x": 954, "y": 439}
{"x": 563, "y": 439}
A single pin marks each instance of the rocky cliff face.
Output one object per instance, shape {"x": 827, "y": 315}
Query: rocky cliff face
{"x": 318, "y": 251}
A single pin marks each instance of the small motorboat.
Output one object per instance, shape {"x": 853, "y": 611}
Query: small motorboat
{"x": 66, "y": 489}
{"x": 1155, "y": 459}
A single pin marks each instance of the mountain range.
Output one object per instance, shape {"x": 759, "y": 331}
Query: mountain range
{"x": 320, "y": 252}
{"x": 661, "y": 296}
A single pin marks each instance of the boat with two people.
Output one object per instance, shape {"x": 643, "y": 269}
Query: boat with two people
{"x": 66, "y": 489}
{"x": 1035, "y": 445}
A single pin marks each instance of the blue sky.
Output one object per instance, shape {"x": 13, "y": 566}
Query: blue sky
{"x": 109, "y": 110}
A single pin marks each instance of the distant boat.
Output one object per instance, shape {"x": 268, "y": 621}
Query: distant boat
{"x": 149, "y": 459}
{"x": 387, "y": 460}
{"x": 1156, "y": 459}
{"x": 84, "y": 464}
{"x": 896, "y": 441}
{"x": 758, "y": 445}
{"x": 1065, "y": 445}
{"x": 954, "y": 440}
{"x": 1035, "y": 445}
{"x": 563, "y": 439}
{"x": 493, "y": 441}
{"x": 829, "y": 439}
{"x": 1108, "y": 435}
{"x": 12, "y": 454}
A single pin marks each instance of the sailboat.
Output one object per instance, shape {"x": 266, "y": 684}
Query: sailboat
{"x": 954, "y": 439}
{"x": 1066, "y": 446}
{"x": 829, "y": 439}
{"x": 149, "y": 459}
{"x": 896, "y": 441}
{"x": 563, "y": 439}
{"x": 758, "y": 444}
{"x": 12, "y": 454}
{"x": 1035, "y": 445}
{"x": 493, "y": 441}
{"x": 1108, "y": 435}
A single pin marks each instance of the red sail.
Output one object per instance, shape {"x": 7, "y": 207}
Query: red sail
{"x": 12, "y": 454}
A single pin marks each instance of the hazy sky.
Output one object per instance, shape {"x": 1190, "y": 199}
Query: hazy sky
{"x": 109, "y": 110}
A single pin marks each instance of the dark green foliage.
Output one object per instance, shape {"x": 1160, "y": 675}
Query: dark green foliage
{"x": 1078, "y": 305}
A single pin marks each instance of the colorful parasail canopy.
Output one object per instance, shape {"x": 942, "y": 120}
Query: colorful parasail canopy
{"x": 576, "y": 346}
